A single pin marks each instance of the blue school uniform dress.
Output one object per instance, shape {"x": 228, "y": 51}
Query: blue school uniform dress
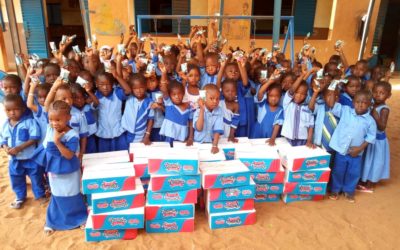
{"x": 345, "y": 99}
{"x": 175, "y": 124}
{"x": 230, "y": 119}
{"x": 266, "y": 119}
{"x": 21, "y": 165}
{"x": 251, "y": 107}
{"x": 158, "y": 119}
{"x": 325, "y": 124}
{"x": 242, "y": 130}
{"x": 109, "y": 129}
{"x": 42, "y": 120}
{"x": 89, "y": 113}
{"x": 66, "y": 209}
{"x": 205, "y": 78}
{"x": 352, "y": 131}
{"x": 134, "y": 120}
{"x": 78, "y": 122}
{"x": 213, "y": 123}
{"x": 376, "y": 164}
{"x": 298, "y": 118}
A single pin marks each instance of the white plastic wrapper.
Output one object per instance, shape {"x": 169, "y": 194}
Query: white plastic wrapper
{"x": 64, "y": 74}
{"x": 76, "y": 49}
{"x": 150, "y": 68}
{"x": 53, "y": 46}
{"x": 18, "y": 59}
{"x": 121, "y": 49}
{"x": 89, "y": 43}
{"x": 339, "y": 44}
{"x": 184, "y": 67}
{"x": 202, "y": 94}
{"x": 64, "y": 39}
{"x": 264, "y": 74}
{"x": 81, "y": 81}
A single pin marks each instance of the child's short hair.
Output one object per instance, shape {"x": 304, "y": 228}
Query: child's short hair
{"x": 15, "y": 98}
{"x": 211, "y": 87}
{"x": 363, "y": 92}
{"x": 44, "y": 87}
{"x": 211, "y": 55}
{"x": 175, "y": 85}
{"x": 192, "y": 66}
{"x": 385, "y": 85}
{"x": 289, "y": 74}
{"x": 303, "y": 84}
{"x": 105, "y": 74}
{"x": 227, "y": 82}
{"x": 276, "y": 86}
{"x": 234, "y": 64}
{"x": 75, "y": 88}
{"x": 335, "y": 59}
{"x": 136, "y": 77}
{"x": 64, "y": 86}
{"x": 362, "y": 62}
{"x": 353, "y": 78}
{"x": 60, "y": 106}
{"x": 85, "y": 72}
{"x": 54, "y": 66}
{"x": 14, "y": 80}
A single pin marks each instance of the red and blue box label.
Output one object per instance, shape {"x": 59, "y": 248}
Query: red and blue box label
{"x": 166, "y": 212}
{"x": 124, "y": 200}
{"x": 267, "y": 197}
{"x": 230, "y": 206}
{"x": 287, "y": 198}
{"x": 172, "y": 197}
{"x": 233, "y": 193}
{"x": 170, "y": 226}
{"x": 162, "y": 183}
{"x": 173, "y": 167}
{"x": 269, "y": 188}
{"x": 110, "y": 184}
{"x": 223, "y": 180}
{"x": 268, "y": 177}
{"x": 116, "y": 220}
{"x": 233, "y": 219}
{"x": 312, "y": 188}
{"x": 317, "y": 175}
{"x": 262, "y": 165}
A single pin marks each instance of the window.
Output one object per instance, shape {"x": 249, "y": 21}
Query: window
{"x": 164, "y": 7}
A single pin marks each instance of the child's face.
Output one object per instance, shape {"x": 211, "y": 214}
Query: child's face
{"x": 331, "y": 69}
{"x": 58, "y": 119}
{"x": 300, "y": 94}
{"x": 274, "y": 96}
{"x": 89, "y": 79}
{"x": 212, "y": 66}
{"x": 193, "y": 77}
{"x": 139, "y": 89}
{"x": 176, "y": 96}
{"x": 325, "y": 82}
{"x": 152, "y": 83}
{"x": 331, "y": 97}
{"x": 360, "y": 70}
{"x": 10, "y": 88}
{"x": 232, "y": 72}
{"x": 229, "y": 91}
{"x": 212, "y": 99}
{"x": 170, "y": 65}
{"x": 369, "y": 85}
{"x": 380, "y": 94}
{"x": 73, "y": 69}
{"x": 352, "y": 87}
{"x": 51, "y": 74}
{"x": 106, "y": 54}
{"x": 14, "y": 111}
{"x": 133, "y": 49}
{"x": 104, "y": 85}
{"x": 78, "y": 99}
{"x": 361, "y": 104}
{"x": 41, "y": 96}
{"x": 287, "y": 83}
{"x": 286, "y": 66}
{"x": 94, "y": 60}
{"x": 64, "y": 95}
{"x": 377, "y": 74}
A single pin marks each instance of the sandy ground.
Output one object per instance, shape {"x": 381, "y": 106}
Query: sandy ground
{"x": 371, "y": 223}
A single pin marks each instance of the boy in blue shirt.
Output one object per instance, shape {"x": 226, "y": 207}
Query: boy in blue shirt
{"x": 356, "y": 129}
{"x": 19, "y": 136}
{"x": 208, "y": 119}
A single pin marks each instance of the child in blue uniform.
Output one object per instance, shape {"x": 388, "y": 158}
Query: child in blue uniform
{"x": 138, "y": 116}
{"x": 153, "y": 91}
{"x": 298, "y": 125}
{"x": 270, "y": 113}
{"x": 376, "y": 165}
{"x": 208, "y": 119}
{"x": 356, "y": 129}
{"x": 177, "y": 124}
{"x": 109, "y": 130}
{"x": 352, "y": 86}
{"x": 210, "y": 71}
{"x": 191, "y": 82}
{"x": 19, "y": 136}
{"x": 230, "y": 109}
{"x": 66, "y": 209}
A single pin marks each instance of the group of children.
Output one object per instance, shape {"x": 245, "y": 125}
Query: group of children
{"x": 104, "y": 99}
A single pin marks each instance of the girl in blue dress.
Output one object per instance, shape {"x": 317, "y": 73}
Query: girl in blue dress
{"x": 270, "y": 113}
{"x": 66, "y": 209}
{"x": 177, "y": 124}
{"x": 376, "y": 164}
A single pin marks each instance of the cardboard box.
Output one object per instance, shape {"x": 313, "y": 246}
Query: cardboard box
{"x": 113, "y": 234}
{"x": 260, "y": 160}
{"x": 140, "y": 166}
{"x": 170, "y": 226}
{"x": 269, "y": 188}
{"x": 269, "y": 177}
{"x": 174, "y": 161}
{"x": 232, "y": 219}
{"x": 229, "y": 206}
{"x": 229, "y": 148}
{"x": 205, "y": 155}
{"x": 311, "y": 188}
{"x": 171, "y": 197}
{"x": 224, "y": 174}
{"x": 287, "y": 198}
{"x": 163, "y": 183}
{"x": 233, "y": 193}
{"x": 267, "y": 197}
{"x": 116, "y": 201}
{"x": 304, "y": 158}
{"x": 316, "y": 175}
{"x": 124, "y": 219}
{"x": 98, "y": 180}
{"x": 280, "y": 142}
{"x": 138, "y": 149}
{"x": 166, "y": 212}
{"x": 106, "y": 157}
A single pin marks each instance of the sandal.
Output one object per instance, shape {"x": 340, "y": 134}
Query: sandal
{"x": 17, "y": 204}
{"x": 364, "y": 189}
{"x": 48, "y": 231}
{"x": 349, "y": 197}
{"x": 334, "y": 196}
{"x": 43, "y": 200}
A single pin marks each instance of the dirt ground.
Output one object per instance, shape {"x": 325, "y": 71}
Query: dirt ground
{"x": 370, "y": 223}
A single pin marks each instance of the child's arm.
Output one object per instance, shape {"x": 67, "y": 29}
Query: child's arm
{"x": 214, "y": 148}
{"x": 91, "y": 95}
{"x": 52, "y": 93}
{"x": 123, "y": 83}
{"x": 296, "y": 84}
{"x": 181, "y": 59}
{"x": 275, "y": 131}
{"x": 118, "y": 64}
{"x": 146, "y": 138}
{"x": 235, "y": 123}
{"x": 310, "y": 72}
{"x": 164, "y": 79}
{"x": 189, "y": 141}
{"x": 355, "y": 151}
{"x": 30, "y": 102}
{"x": 265, "y": 84}
{"x": 82, "y": 147}
{"x": 200, "y": 120}
{"x": 243, "y": 72}
{"x": 310, "y": 137}
{"x": 91, "y": 54}
{"x": 311, "y": 104}
{"x": 200, "y": 52}
{"x": 220, "y": 74}
{"x": 15, "y": 150}
{"x": 380, "y": 119}
{"x": 27, "y": 81}
{"x": 65, "y": 152}
{"x": 342, "y": 57}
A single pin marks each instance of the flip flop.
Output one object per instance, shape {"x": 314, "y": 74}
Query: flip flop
{"x": 48, "y": 231}
{"x": 43, "y": 200}
{"x": 17, "y": 204}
